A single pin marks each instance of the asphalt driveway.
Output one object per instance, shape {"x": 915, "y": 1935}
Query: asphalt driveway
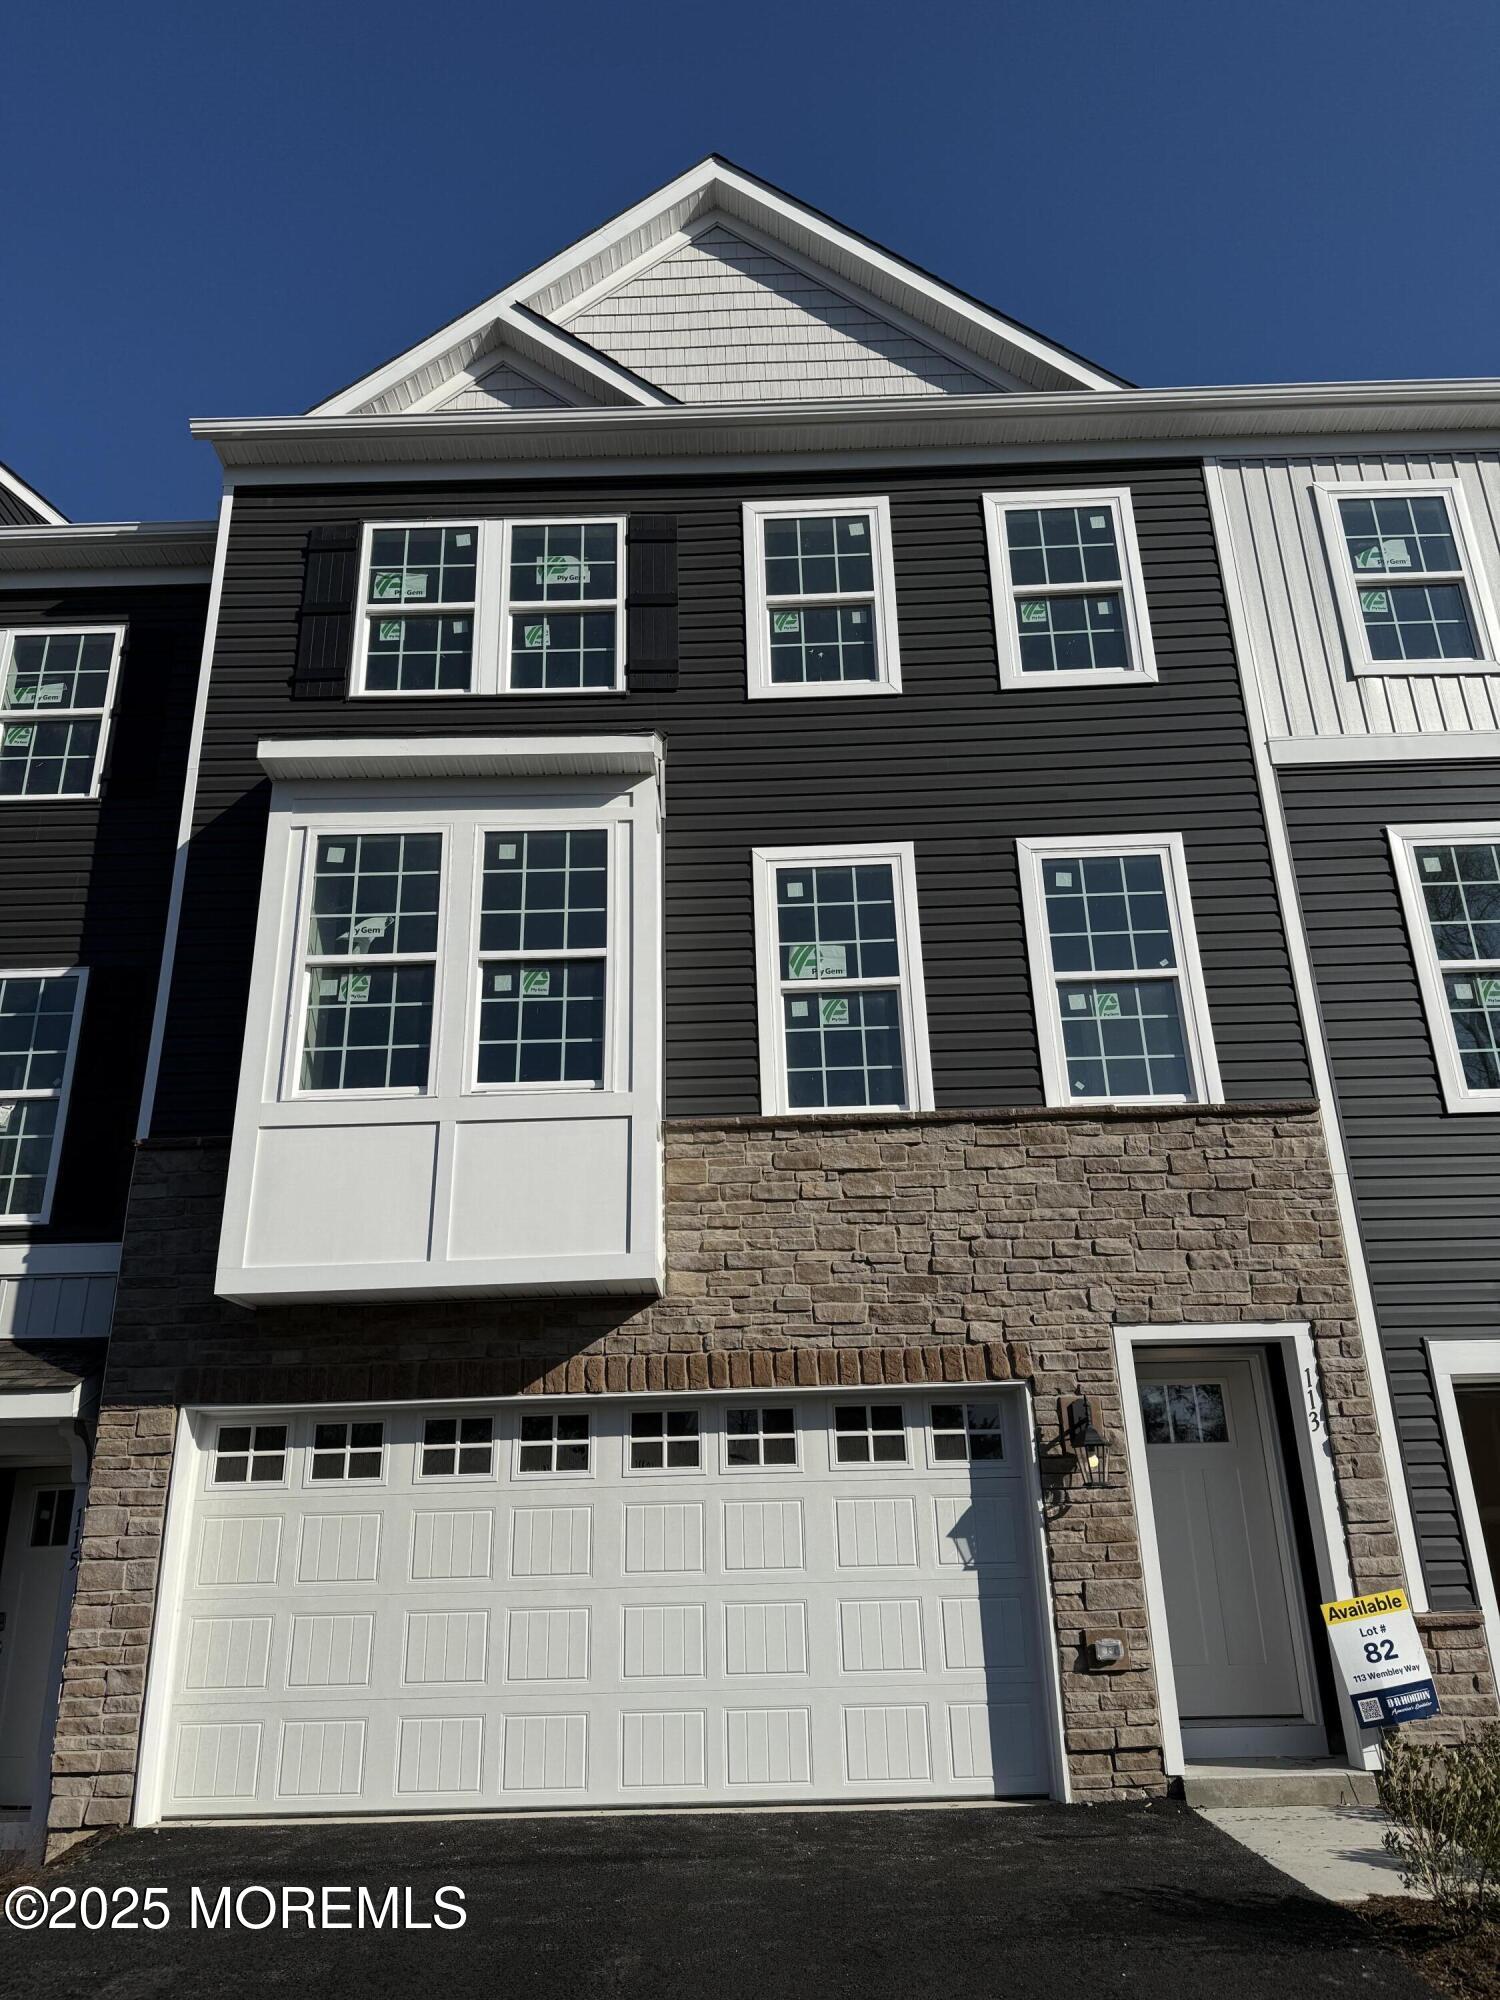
{"x": 1045, "y": 1902}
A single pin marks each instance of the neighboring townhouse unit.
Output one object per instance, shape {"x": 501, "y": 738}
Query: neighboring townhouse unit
{"x": 1366, "y": 579}
{"x": 101, "y": 630}
{"x": 732, "y": 1202}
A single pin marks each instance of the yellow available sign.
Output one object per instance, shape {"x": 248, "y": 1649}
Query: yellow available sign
{"x": 1377, "y": 1603}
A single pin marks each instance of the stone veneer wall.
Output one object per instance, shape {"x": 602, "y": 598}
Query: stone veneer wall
{"x": 915, "y": 1248}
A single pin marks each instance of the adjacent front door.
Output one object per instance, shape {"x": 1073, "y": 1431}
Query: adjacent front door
{"x": 32, "y": 1574}
{"x": 1236, "y": 1625}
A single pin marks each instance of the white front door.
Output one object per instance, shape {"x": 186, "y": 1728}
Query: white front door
{"x": 32, "y": 1573}
{"x": 1237, "y": 1631}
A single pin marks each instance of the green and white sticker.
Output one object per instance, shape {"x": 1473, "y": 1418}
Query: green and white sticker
{"x": 536, "y": 636}
{"x": 834, "y": 1013}
{"x": 354, "y": 987}
{"x": 561, "y": 569}
{"x": 786, "y": 621}
{"x": 1106, "y": 1006}
{"x": 367, "y": 931}
{"x": 1489, "y": 991}
{"x": 817, "y": 961}
{"x": 387, "y": 584}
{"x": 536, "y": 982}
{"x": 1376, "y": 602}
{"x": 390, "y": 631}
{"x": 19, "y": 737}
{"x": 1033, "y": 611}
{"x": 1397, "y": 554}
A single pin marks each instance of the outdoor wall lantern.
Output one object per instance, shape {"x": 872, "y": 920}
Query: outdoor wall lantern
{"x": 1089, "y": 1446}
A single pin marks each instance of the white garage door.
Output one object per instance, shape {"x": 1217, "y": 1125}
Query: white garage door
{"x": 607, "y": 1603}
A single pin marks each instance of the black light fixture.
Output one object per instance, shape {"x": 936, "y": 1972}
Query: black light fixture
{"x": 1090, "y": 1447}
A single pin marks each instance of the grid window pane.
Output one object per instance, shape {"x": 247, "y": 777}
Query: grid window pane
{"x": 1125, "y": 1039}
{"x": 664, "y": 1439}
{"x": 411, "y": 654}
{"x": 375, "y": 894}
{"x": 843, "y": 1051}
{"x": 1184, "y": 1413}
{"x": 869, "y": 1433}
{"x": 47, "y": 759}
{"x": 1418, "y": 622}
{"x": 348, "y": 1451}
{"x": 59, "y": 670}
{"x": 28, "y": 1130}
{"x": 545, "y": 891}
{"x": 1064, "y": 635}
{"x": 422, "y": 565}
{"x": 554, "y": 1443}
{"x": 967, "y": 1432}
{"x": 36, "y": 1023}
{"x": 760, "y": 1436}
{"x": 463, "y": 1445}
{"x": 838, "y": 922}
{"x": 1398, "y": 534}
{"x": 564, "y": 563}
{"x": 1062, "y": 545}
{"x": 542, "y": 1021}
{"x": 1461, "y": 889}
{"x": 1108, "y": 913}
{"x": 563, "y": 649}
{"x": 1474, "y": 1004}
{"x": 819, "y": 555}
{"x": 368, "y": 1030}
{"x": 823, "y": 642}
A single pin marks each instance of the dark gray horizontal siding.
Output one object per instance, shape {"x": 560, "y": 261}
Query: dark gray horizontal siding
{"x": 1427, "y": 1183}
{"x": 14, "y": 512}
{"x": 952, "y": 764}
{"x": 86, "y": 882}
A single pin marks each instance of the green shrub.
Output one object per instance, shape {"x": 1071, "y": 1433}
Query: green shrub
{"x": 1443, "y": 1802}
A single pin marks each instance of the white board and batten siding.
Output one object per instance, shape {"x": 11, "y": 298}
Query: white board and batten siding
{"x": 605, "y": 1637}
{"x": 1307, "y": 686}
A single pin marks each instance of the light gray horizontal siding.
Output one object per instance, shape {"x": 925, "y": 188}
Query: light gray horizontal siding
{"x": 719, "y": 319}
{"x": 1297, "y": 641}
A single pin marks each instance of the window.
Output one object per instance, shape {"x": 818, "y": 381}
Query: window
{"x": 1070, "y": 599}
{"x": 250, "y": 1455}
{"x": 1122, "y": 1016}
{"x": 492, "y": 607}
{"x": 967, "y": 1432}
{"x": 843, "y": 1018}
{"x": 554, "y": 1443}
{"x": 52, "y": 1517}
{"x": 759, "y": 1436}
{"x": 372, "y": 932}
{"x": 1450, "y": 888}
{"x": 1409, "y": 589}
{"x": 1184, "y": 1413}
{"x": 348, "y": 1451}
{"x": 820, "y": 598}
{"x": 56, "y": 691}
{"x": 39, "y": 1016}
{"x": 664, "y": 1439}
{"x": 462, "y": 1446}
{"x": 543, "y": 931}
{"x": 869, "y": 1434}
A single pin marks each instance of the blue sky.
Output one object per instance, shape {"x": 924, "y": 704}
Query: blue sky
{"x": 233, "y": 210}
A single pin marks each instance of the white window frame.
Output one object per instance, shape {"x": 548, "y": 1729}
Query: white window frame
{"x": 523, "y": 1475}
{"x": 491, "y": 609}
{"x": 59, "y": 1096}
{"x": 458, "y": 1415}
{"x": 1188, "y": 973}
{"x": 14, "y": 717}
{"x": 871, "y": 1467}
{"x": 311, "y": 1449}
{"x": 758, "y": 604}
{"x": 213, "y": 1484}
{"x": 1131, "y": 588}
{"x": 1458, "y": 1096}
{"x": 764, "y": 1399}
{"x": 900, "y": 855}
{"x": 670, "y": 1405}
{"x": 1470, "y": 577}
{"x": 1465, "y": 1363}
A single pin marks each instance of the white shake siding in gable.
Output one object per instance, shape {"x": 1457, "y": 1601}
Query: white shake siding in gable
{"x": 503, "y": 388}
{"x": 721, "y": 320}
{"x": 1297, "y": 642}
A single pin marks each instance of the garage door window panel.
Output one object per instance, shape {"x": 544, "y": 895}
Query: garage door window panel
{"x": 351, "y": 1453}
{"x": 249, "y": 1455}
{"x": 457, "y": 1448}
{"x": 968, "y": 1434}
{"x": 758, "y": 1437}
{"x": 555, "y": 1443}
{"x": 666, "y": 1440}
{"x": 872, "y": 1434}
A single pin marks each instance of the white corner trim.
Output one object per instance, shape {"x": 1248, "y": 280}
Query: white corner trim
{"x": 1459, "y": 1096}
{"x": 349, "y": 757}
{"x": 1131, "y": 588}
{"x": 759, "y": 602}
{"x": 1475, "y": 585}
{"x": 1187, "y": 976}
{"x": 1305, "y": 985}
{"x": 910, "y": 985}
{"x": 59, "y": 1260}
{"x": 185, "y": 823}
{"x": 1293, "y": 1341}
{"x": 1455, "y": 1363}
{"x": 166, "y": 1626}
{"x": 29, "y": 497}
{"x": 1439, "y": 747}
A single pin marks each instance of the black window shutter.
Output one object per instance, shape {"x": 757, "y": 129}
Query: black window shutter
{"x": 325, "y": 623}
{"x": 651, "y": 603}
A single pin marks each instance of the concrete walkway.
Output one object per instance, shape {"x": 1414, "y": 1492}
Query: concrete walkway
{"x": 1335, "y": 1851}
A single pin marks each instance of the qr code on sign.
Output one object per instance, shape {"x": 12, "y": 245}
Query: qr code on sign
{"x": 1369, "y": 1711}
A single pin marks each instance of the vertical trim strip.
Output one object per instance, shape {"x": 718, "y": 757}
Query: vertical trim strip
{"x": 1305, "y": 986}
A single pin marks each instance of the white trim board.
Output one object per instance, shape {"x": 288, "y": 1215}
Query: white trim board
{"x": 1293, "y": 1341}
{"x": 1444, "y": 747}
{"x": 59, "y": 1260}
{"x": 1305, "y": 985}
{"x": 1456, "y": 1363}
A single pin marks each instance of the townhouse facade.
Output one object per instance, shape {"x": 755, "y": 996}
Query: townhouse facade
{"x": 742, "y": 1194}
